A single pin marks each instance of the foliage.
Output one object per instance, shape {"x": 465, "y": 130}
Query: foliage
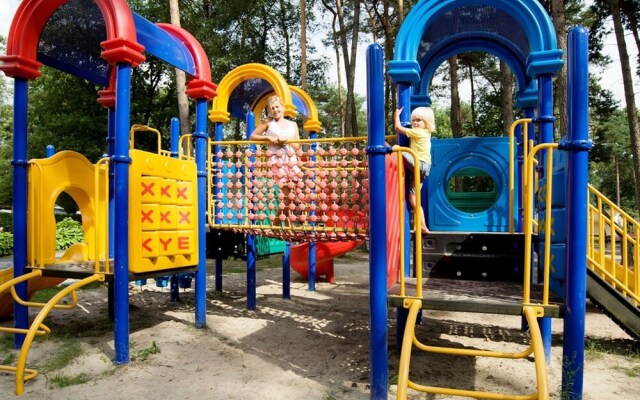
{"x": 63, "y": 356}
{"x": 68, "y": 232}
{"x": 60, "y": 381}
{"x": 6, "y": 244}
{"x": 143, "y": 354}
{"x": 329, "y": 112}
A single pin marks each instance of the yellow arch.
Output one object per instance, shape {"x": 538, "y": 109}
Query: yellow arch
{"x": 311, "y": 123}
{"x": 72, "y": 173}
{"x": 242, "y": 73}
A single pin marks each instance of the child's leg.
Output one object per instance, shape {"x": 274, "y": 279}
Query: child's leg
{"x": 418, "y": 213}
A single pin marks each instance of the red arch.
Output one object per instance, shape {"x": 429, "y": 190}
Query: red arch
{"x": 201, "y": 86}
{"x": 31, "y": 17}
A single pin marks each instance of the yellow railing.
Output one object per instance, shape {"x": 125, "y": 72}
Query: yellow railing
{"x": 417, "y": 229}
{"x": 529, "y": 219}
{"x": 612, "y": 245}
{"x": 409, "y": 340}
{"x": 135, "y": 128}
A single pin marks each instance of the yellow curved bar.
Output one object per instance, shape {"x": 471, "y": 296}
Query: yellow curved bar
{"x": 26, "y": 346}
{"x": 144, "y": 128}
{"x": 414, "y": 305}
{"x": 12, "y": 282}
{"x": 74, "y": 301}
{"x": 242, "y": 73}
{"x": 532, "y": 314}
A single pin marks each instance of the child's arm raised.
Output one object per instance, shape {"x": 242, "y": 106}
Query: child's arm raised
{"x": 397, "y": 125}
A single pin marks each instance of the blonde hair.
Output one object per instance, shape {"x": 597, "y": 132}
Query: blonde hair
{"x": 273, "y": 99}
{"x": 426, "y": 115}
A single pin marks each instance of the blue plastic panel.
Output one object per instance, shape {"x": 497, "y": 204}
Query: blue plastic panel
{"x": 163, "y": 45}
{"x": 491, "y": 154}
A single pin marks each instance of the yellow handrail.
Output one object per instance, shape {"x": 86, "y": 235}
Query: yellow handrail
{"x": 20, "y": 368}
{"x": 417, "y": 230}
{"x": 609, "y": 227}
{"x": 409, "y": 338}
{"x": 512, "y": 164}
{"x": 528, "y": 219}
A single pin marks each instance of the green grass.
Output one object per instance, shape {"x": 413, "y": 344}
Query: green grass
{"x": 143, "y": 354}
{"x": 44, "y": 295}
{"x": 632, "y": 371}
{"x": 60, "y": 381}
{"x": 65, "y": 354}
{"x": 7, "y": 355}
{"x": 592, "y": 350}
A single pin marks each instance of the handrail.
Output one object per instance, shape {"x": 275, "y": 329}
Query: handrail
{"x": 417, "y": 229}
{"x": 144, "y": 128}
{"x": 610, "y": 227}
{"x": 37, "y": 322}
{"x": 512, "y": 164}
{"x": 528, "y": 220}
{"x": 409, "y": 338}
{"x": 101, "y": 230}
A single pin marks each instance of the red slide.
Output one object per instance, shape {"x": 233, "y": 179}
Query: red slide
{"x": 327, "y": 251}
{"x": 393, "y": 219}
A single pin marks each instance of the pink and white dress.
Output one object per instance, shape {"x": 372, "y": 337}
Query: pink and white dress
{"x": 284, "y": 163}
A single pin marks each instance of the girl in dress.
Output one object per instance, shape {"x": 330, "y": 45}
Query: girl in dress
{"x": 279, "y": 131}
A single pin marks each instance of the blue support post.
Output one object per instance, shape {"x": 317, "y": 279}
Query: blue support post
{"x": 218, "y": 261}
{"x": 286, "y": 271}
{"x": 545, "y": 131}
{"x": 111, "y": 150}
{"x": 175, "y": 137}
{"x": 312, "y": 245}
{"x": 19, "y": 162}
{"x": 376, "y": 151}
{"x": 201, "y": 137}
{"x": 251, "y": 242}
{"x": 577, "y": 147}
{"x": 121, "y": 161}
{"x": 404, "y": 100}
{"x": 174, "y": 287}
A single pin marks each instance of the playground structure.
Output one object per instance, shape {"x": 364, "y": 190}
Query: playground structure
{"x": 144, "y": 214}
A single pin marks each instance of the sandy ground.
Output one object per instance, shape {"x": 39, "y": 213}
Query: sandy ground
{"x": 314, "y": 346}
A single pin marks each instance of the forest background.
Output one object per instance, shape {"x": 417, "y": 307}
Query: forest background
{"x": 295, "y": 37}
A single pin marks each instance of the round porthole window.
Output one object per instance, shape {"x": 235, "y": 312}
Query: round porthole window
{"x": 471, "y": 190}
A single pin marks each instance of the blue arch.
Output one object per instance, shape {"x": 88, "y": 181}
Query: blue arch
{"x": 486, "y": 43}
{"x": 529, "y": 13}
{"x": 542, "y": 57}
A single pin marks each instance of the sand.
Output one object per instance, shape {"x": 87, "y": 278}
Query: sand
{"x": 313, "y": 346}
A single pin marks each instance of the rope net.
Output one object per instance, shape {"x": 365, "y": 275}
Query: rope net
{"x": 319, "y": 192}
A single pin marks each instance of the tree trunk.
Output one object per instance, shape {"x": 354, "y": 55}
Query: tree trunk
{"x": 287, "y": 41}
{"x": 303, "y": 44}
{"x": 506, "y": 91}
{"x": 183, "y": 102}
{"x": 473, "y": 101}
{"x": 633, "y": 21}
{"x": 560, "y": 89}
{"x": 351, "y": 122}
{"x": 634, "y": 128}
{"x": 456, "y": 112}
{"x": 336, "y": 47}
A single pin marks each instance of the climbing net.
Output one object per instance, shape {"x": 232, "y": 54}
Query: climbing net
{"x": 317, "y": 192}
